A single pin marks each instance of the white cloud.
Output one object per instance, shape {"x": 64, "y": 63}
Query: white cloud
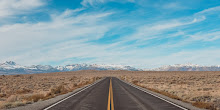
{"x": 92, "y": 2}
{"x": 207, "y": 36}
{"x": 15, "y": 7}
{"x": 87, "y": 3}
{"x": 159, "y": 29}
{"x": 175, "y": 23}
{"x": 62, "y": 38}
{"x": 173, "y": 6}
{"x": 212, "y": 10}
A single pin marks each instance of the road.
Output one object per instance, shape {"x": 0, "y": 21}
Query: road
{"x": 112, "y": 94}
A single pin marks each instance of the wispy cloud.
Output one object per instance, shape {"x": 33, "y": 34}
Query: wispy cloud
{"x": 212, "y": 10}
{"x": 173, "y": 6}
{"x": 160, "y": 29}
{"x": 139, "y": 34}
{"x": 92, "y": 2}
{"x": 210, "y": 36}
{"x": 33, "y": 40}
{"x": 87, "y": 3}
{"x": 10, "y": 8}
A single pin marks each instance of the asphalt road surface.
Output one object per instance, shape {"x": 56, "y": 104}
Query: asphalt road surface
{"x": 112, "y": 94}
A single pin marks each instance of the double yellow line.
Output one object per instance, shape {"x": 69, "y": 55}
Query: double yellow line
{"x": 110, "y": 97}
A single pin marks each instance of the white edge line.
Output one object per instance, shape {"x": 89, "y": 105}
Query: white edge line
{"x": 154, "y": 95}
{"x": 72, "y": 95}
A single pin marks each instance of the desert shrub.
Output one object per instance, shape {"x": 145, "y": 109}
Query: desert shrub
{"x": 73, "y": 78}
{"x": 202, "y": 99}
{"x": 23, "y": 91}
{"x": 35, "y": 97}
{"x": 81, "y": 84}
{"x": 166, "y": 94}
{"x": 96, "y": 78}
{"x": 18, "y": 104}
{"x": 56, "y": 91}
{"x": 59, "y": 90}
{"x": 217, "y": 104}
{"x": 7, "y": 105}
{"x": 12, "y": 98}
{"x": 2, "y": 95}
{"x": 204, "y": 105}
{"x": 135, "y": 81}
{"x": 75, "y": 85}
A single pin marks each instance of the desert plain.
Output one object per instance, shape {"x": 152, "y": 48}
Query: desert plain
{"x": 201, "y": 89}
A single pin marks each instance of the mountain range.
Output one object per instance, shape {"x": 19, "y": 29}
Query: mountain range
{"x": 10, "y": 67}
{"x": 187, "y": 67}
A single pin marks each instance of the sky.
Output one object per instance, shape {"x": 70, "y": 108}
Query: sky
{"x": 139, "y": 33}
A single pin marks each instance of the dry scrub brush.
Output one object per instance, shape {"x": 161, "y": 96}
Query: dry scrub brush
{"x": 199, "y": 88}
{"x": 18, "y": 90}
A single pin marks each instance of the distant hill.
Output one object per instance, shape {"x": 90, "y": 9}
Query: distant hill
{"x": 10, "y": 67}
{"x": 187, "y": 67}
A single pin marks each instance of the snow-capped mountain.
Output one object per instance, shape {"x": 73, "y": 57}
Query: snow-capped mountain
{"x": 10, "y": 67}
{"x": 75, "y": 67}
{"x": 187, "y": 67}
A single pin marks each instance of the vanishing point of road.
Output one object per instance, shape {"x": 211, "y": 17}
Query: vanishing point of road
{"x": 112, "y": 94}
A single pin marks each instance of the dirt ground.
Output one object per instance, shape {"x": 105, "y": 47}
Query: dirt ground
{"x": 202, "y": 89}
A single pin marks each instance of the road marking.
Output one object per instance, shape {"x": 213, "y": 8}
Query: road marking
{"x": 154, "y": 95}
{"x": 110, "y": 97}
{"x": 112, "y": 103}
{"x": 72, "y": 95}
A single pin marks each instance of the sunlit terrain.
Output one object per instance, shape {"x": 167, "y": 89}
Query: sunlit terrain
{"x": 199, "y": 88}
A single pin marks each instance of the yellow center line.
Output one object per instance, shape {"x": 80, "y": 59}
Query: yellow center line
{"x": 110, "y": 97}
{"x": 108, "y": 108}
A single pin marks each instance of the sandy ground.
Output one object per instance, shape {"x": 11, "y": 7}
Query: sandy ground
{"x": 199, "y": 88}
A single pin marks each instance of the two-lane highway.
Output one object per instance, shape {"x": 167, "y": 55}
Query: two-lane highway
{"x": 112, "y": 94}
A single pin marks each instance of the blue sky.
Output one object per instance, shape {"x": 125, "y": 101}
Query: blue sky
{"x": 139, "y": 33}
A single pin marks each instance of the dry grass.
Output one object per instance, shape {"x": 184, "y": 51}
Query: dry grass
{"x": 35, "y": 97}
{"x": 18, "y": 90}
{"x": 204, "y": 105}
{"x": 11, "y": 104}
{"x": 166, "y": 94}
{"x": 199, "y": 88}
